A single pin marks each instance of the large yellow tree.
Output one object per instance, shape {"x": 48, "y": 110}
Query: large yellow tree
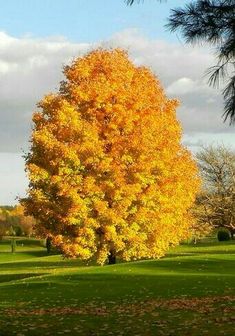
{"x": 108, "y": 173}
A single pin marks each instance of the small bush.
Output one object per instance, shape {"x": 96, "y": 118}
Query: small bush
{"x": 223, "y": 235}
{"x": 18, "y": 231}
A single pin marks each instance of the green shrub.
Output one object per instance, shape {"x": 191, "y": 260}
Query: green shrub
{"x": 223, "y": 235}
{"x": 18, "y": 231}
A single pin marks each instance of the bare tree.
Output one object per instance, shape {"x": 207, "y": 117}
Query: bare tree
{"x": 217, "y": 167}
{"x": 200, "y": 225}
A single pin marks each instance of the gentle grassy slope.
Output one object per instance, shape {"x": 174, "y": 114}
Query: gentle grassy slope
{"x": 189, "y": 292}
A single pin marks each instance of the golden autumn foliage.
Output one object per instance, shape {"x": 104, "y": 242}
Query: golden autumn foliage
{"x": 106, "y": 167}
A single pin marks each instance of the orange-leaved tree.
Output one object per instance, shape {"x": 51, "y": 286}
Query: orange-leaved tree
{"x": 108, "y": 174}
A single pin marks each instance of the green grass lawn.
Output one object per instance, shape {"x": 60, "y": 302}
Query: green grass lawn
{"x": 189, "y": 292}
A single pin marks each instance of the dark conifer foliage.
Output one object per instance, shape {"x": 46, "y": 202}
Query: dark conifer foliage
{"x": 131, "y": 2}
{"x": 212, "y": 21}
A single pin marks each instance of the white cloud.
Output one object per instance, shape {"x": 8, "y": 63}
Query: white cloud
{"x": 12, "y": 178}
{"x": 183, "y": 86}
{"x": 31, "y": 67}
{"x": 196, "y": 141}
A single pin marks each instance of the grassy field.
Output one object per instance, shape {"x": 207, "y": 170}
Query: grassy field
{"x": 189, "y": 292}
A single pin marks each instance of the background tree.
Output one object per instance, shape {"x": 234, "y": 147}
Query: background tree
{"x": 108, "y": 174}
{"x": 25, "y": 223}
{"x": 14, "y": 222}
{"x": 4, "y": 225}
{"x": 200, "y": 225}
{"x": 211, "y": 21}
{"x": 217, "y": 166}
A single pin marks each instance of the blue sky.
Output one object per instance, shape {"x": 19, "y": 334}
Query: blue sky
{"x": 38, "y": 36}
{"x": 84, "y": 20}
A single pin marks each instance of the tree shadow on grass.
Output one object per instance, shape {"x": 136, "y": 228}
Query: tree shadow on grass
{"x": 35, "y": 264}
{"x": 194, "y": 253}
{"x": 33, "y": 253}
{"x": 106, "y": 287}
{"x": 13, "y": 277}
{"x": 187, "y": 265}
{"x": 183, "y": 264}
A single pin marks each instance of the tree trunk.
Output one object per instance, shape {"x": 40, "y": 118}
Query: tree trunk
{"x": 112, "y": 257}
{"x": 13, "y": 246}
{"x": 232, "y": 233}
{"x": 48, "y": 244}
